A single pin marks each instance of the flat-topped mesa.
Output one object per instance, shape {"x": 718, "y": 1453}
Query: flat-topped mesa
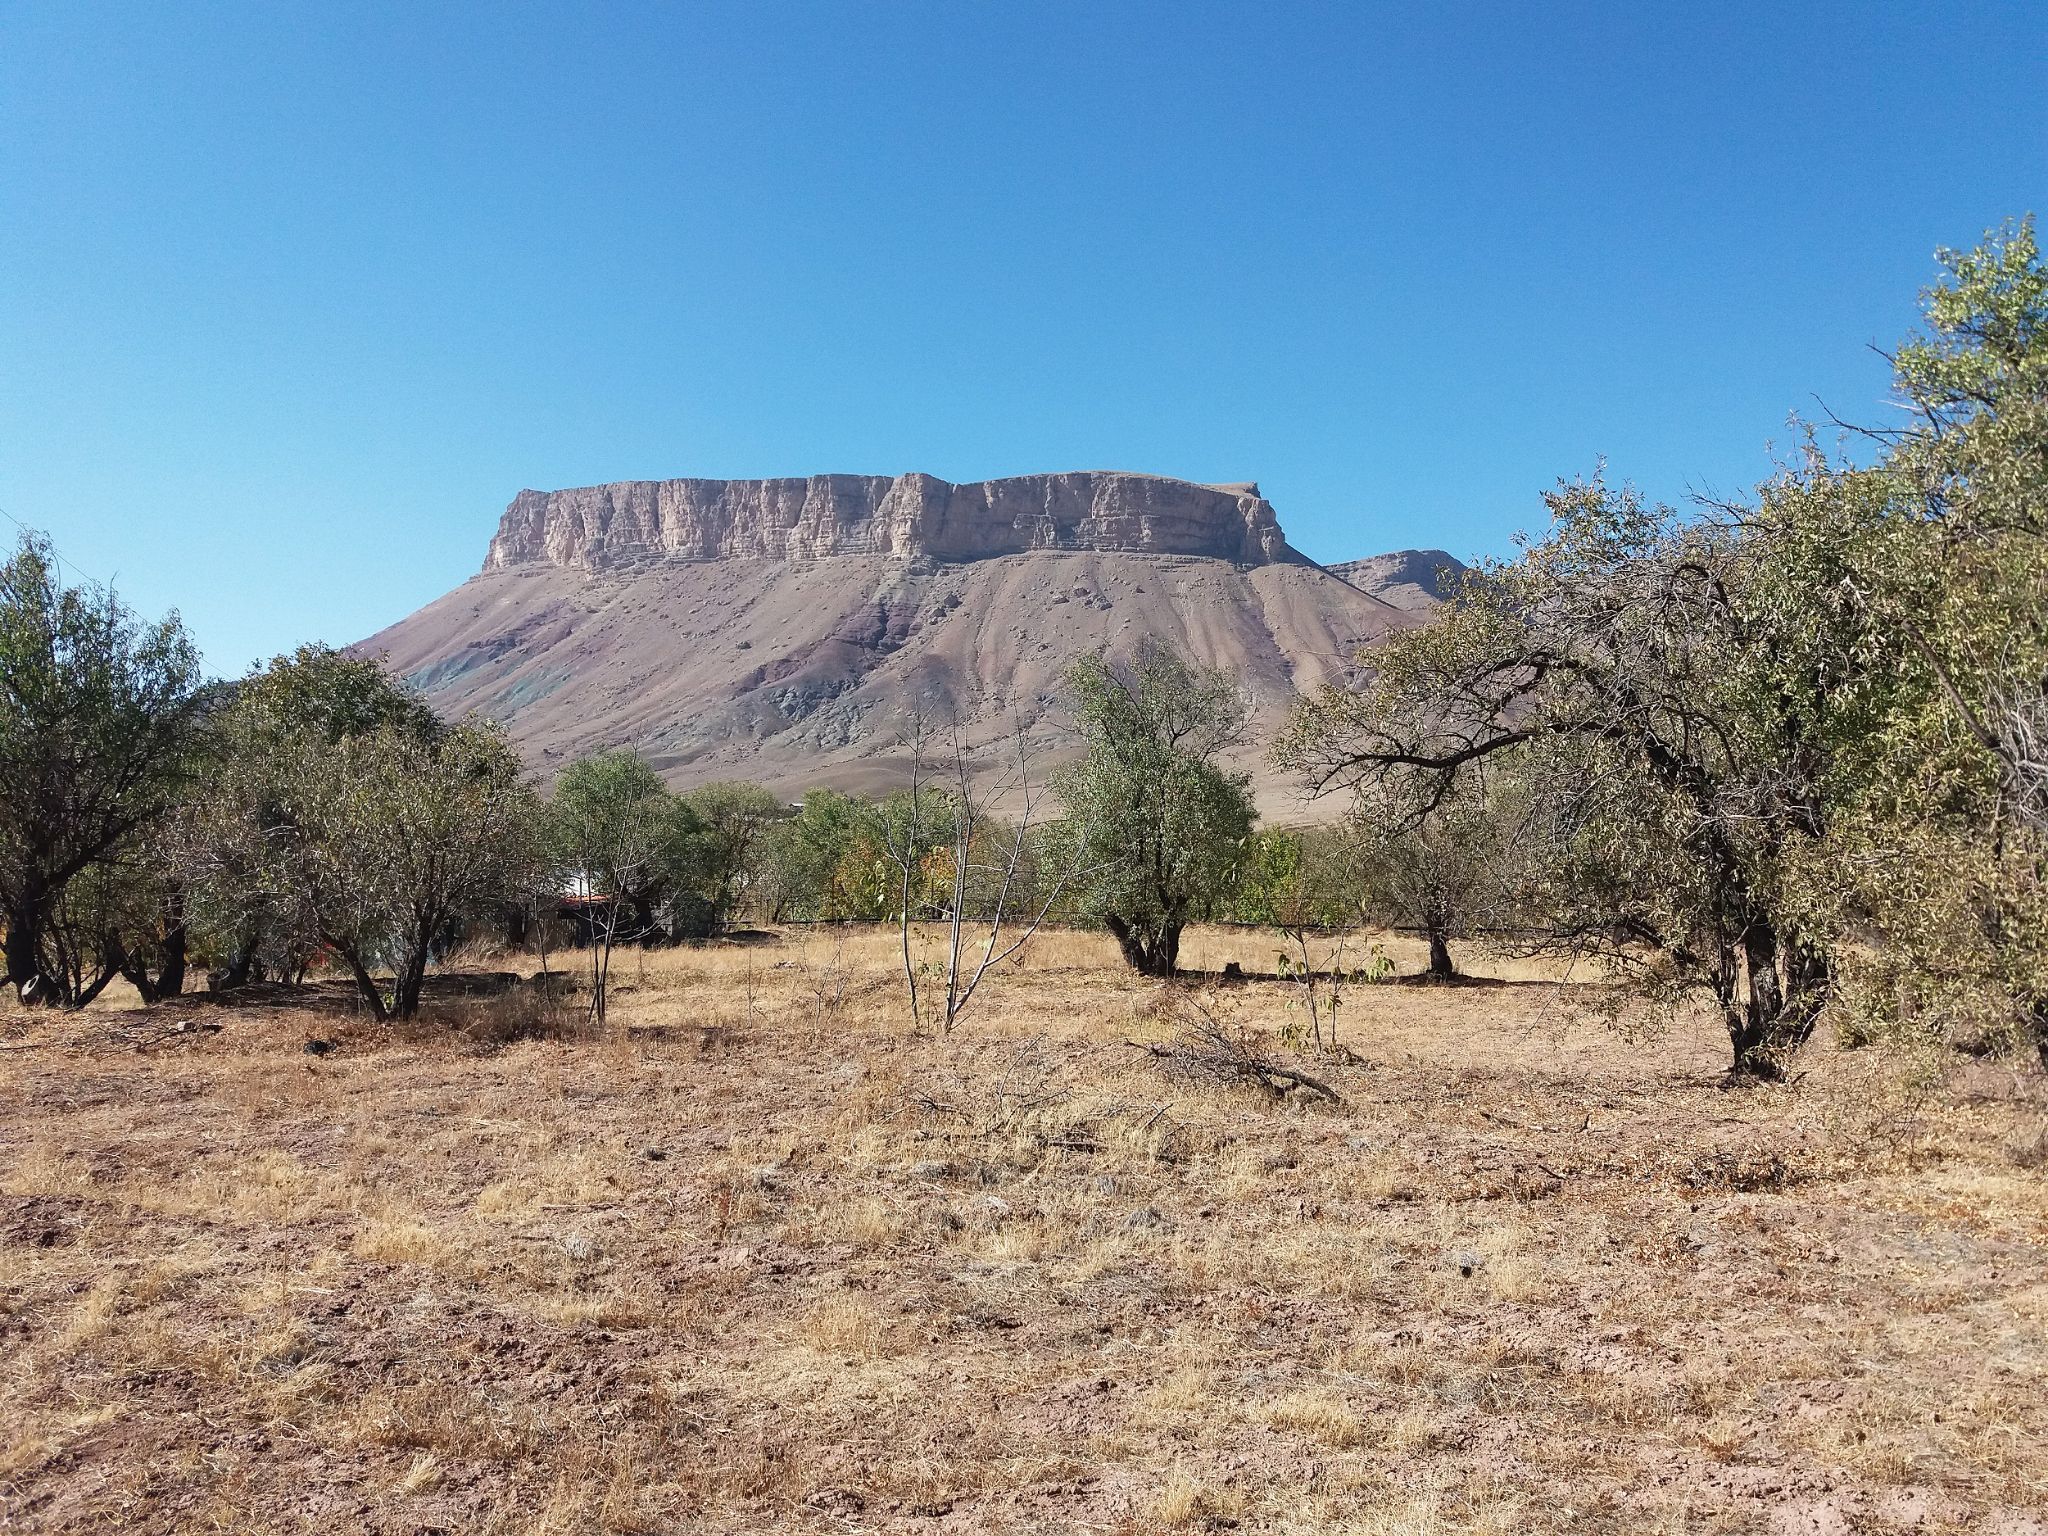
{"x": 907, "y": 516}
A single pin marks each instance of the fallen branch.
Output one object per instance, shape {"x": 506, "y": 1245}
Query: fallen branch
{"x": 1203, "y": 1047}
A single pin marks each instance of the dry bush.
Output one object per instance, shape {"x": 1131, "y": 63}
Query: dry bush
{"x": 527, "y": 1011}
{"x": 1027, "y": 1105}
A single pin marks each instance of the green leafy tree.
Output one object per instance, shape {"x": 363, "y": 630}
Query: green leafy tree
{"x": 625, "y": 846}
{"x": 806, "y": 858}
{"x": 1914, "y": 593}
{"x": 97, "y": 716}
{"x": 239, "y": 838}
{"x": 418, "y": 833}
{"x": 1790, "y": 750}
{"x": 1160, "y": 830}
{"x": 126, "y": 916}
{"x": 343, "y": 814}
{"x": 732, "y": 841}
{"x": 1624, "y": 666}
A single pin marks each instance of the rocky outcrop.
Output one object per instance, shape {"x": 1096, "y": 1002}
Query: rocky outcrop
{"x": 1414, "y": 580}
{"x": 905, "y": 517}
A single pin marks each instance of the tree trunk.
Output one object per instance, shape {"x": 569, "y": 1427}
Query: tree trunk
{"x": 25, "y": 955}
{"x": 118, "y": 957}
{"x": 240, "y": 964}
{"x": 1128, "y": 941}
{"x": 365, "y": 982}
{"x": 1756, "y": 1024}
{"x": 1788, "y": 986}
{"x": 170, "y": 976}
{"x": 1809, "y": 983}
{"x": 405, "y": 987}
{"x": 112, "y": 963}
{"x": 1166, "y": 952}
{"x": 642, "y": 919}
{"x": 1149, "y": 954}
{"x": 1746, "y": 1036}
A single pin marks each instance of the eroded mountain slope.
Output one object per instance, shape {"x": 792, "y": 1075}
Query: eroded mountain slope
{"x": 600, "y": 621}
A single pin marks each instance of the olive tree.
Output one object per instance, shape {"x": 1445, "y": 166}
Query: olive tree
{"x": 418, "y": 832}
{"x": 1160, "y": 830}
{"x": 128, "y": 917}
{"x": 1915, "y": 591}
{"x": 242, "y": 842}
{"x": 97, "y": 711}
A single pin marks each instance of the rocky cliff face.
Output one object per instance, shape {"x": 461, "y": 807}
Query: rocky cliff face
{"x": 913, "y": 515}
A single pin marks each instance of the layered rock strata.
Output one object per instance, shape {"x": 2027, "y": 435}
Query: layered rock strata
{"x": 905, "y": 517}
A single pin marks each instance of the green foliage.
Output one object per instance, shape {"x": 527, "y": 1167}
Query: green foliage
{"x": 1158, "y": 829}
{"x": 97, "y": 717}
{"x": 1301, "y": 878}
{"x": 812, "y": 861}
{"x": 417, "y": 831}
{"x": 1931, "y": 569}
{"x": 917, "y": 829}
{"x": 1790, "y": 751}
{"x": 626, "y": 849}
{"x": 338, "y": 812}
{"x": 619, "y": 837}
{"x": 733, "y": 821}
{"x": 1450, "y": 864}
{"x": 656, "y": 863}
{"x": 1623, "y": 676}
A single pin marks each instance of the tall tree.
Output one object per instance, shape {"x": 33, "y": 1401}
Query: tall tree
{"x": 243, "y": 840}
{"x": 415, "y": 833}
{"x": 1161, "y": 829}
{"x": 809, "y": 860}
{"x": 732, "y": 840}
{"x": 1625, "y": 664}
{"x": 1922, "y": 584}
{"x": 96, "y": 722}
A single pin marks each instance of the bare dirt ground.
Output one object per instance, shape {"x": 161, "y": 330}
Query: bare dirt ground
{"x": 760, "y": 1261}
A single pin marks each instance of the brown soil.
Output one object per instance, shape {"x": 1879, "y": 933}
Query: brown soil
{"x": 759, "y": 1261}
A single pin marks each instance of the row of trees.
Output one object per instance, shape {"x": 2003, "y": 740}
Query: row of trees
{"x": 318, "y": 812}
{"x": 315, "y": 811}
{"x": 1790, "y": 754}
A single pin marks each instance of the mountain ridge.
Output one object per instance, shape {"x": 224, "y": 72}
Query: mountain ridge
{"x": 778, "y": 630}
{"x": 905, "y": 516}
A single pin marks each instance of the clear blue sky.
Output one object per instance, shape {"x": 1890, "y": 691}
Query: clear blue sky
{"x": 293, "y": 298}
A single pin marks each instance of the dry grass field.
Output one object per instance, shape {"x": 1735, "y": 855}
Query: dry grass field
{"x": 760, "y": 1260}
